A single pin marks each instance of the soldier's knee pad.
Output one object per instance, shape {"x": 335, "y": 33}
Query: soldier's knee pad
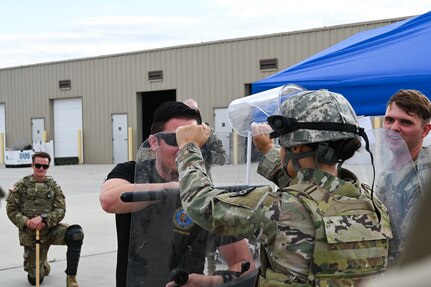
{"x": 74, "y": 235}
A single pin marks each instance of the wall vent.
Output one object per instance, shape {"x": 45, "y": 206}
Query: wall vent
{"x": 155, "y": 75}
{"x": 268, "y": 64}
{"x": 64, "y": 84}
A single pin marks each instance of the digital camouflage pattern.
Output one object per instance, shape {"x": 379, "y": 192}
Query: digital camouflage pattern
{"x": 27, "y": 199}
{"x": 291, "y": 225}
{"x": 317, "y": 106}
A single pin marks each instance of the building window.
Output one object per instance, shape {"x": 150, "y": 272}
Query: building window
{"x": 268, "y": 64}
{"x": 64, "y": 85}
{"x": 155, "y": 75}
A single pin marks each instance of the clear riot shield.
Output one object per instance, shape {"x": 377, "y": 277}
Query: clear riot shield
{"x": 165, "y": 245}
{"x": 256, "y": 108}
{"x": 423, "y": 164}
{"x": 396, "y": 181}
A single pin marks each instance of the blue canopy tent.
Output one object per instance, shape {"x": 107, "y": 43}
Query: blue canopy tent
{"x": 369, "y": 67}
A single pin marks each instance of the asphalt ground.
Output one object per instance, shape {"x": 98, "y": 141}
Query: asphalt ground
{"x": 81, "y": 185}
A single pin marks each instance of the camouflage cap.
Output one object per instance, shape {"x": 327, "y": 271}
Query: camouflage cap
{"x": 313, "y": 107}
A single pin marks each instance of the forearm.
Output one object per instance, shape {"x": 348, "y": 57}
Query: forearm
{"x": 214, "y": 209}
{"x": 112, "y": 189}
{"x": 13, "y": 210}
{"x": 199, "y": 280}
{"x": 236, "y": 254}
{"x": 198, "y": 188}
{"x": 16, "y": 217}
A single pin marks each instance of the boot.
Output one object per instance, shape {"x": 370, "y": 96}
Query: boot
{"x": 47, "y": 268}
{"x": 71, "y": 281}
{"x": 32, "y": 280}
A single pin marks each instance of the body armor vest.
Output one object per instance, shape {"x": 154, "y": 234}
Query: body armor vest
{"x": 350, "y": 242}
{"x": 38, "y": 197}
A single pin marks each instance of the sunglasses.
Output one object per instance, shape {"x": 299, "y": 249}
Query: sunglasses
{"x": 44, "y": 166}
{"x": 169, "y": 138}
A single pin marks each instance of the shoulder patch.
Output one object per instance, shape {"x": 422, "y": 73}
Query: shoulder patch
{"x": 182, "y": 220}
{"x": 250, "y": 198}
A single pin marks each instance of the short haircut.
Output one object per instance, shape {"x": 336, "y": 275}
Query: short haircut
{"x": 413, "y": 103}
{"x": 172, "y": 110}
{"x": 41, "y": 154}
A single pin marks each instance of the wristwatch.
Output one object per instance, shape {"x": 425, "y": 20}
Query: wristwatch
{"x": 44, "y": 217}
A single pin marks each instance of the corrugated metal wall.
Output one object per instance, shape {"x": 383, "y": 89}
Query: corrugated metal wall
{"x": 213, "y": 73}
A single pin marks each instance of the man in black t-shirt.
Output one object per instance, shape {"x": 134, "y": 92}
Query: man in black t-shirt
{"x": 172, "y": 239}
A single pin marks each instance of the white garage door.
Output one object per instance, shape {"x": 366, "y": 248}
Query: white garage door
{"x": 67, "y": 123}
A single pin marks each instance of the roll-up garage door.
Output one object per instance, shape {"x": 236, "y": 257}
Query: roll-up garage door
{"x": 67, "y": 123}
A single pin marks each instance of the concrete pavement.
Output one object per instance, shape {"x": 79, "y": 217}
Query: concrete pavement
{"x": 81, "y": 186}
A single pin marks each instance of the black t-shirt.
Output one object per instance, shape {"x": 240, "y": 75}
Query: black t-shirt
{"x": 124, "y": 171}
{"x": 163, "y": 236}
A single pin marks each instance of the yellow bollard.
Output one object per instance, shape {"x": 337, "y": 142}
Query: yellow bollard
{"x": 130, "y": 138}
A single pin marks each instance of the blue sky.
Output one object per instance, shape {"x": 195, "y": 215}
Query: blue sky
{"x": 47, "y": 30}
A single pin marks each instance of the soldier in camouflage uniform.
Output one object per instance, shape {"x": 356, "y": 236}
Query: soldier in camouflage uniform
{"x": 36, "y": 202}
{"x": 408, "y": 113}
{"x": 323, "y": 228}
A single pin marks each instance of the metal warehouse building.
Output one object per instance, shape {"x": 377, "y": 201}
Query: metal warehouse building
{"x": 98, "y": 110}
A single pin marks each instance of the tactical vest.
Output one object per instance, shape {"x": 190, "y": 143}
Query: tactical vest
{"x": 37, "y": 198}
{"x": 350, "y": 242}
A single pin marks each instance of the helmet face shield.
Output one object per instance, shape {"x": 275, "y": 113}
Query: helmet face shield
{"x": 255, "y": 109}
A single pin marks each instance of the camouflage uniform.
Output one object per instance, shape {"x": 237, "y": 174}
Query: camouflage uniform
{"x": 213, "y": 153}
{"x": 401, "y": 192}
{"x": 282, "y": 224}
{"x": 28, "y": 199}
{"x": 272, "y": 169}
{"x": 318, "y": 229}
{"x": 423, "y": 166}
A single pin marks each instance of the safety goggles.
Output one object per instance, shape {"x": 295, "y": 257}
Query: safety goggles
{"x": 38, "y": 166}
{"x": 169, "y": 138}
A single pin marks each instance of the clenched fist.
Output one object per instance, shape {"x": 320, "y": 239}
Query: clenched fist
{"x": 198, "y": 134}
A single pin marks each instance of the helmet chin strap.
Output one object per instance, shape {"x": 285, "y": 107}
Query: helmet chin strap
{"x": 289, "y": 155}
{"x": 323, "y": 154}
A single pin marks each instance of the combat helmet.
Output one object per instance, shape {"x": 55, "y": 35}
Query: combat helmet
{"x": 313, "y": 117}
